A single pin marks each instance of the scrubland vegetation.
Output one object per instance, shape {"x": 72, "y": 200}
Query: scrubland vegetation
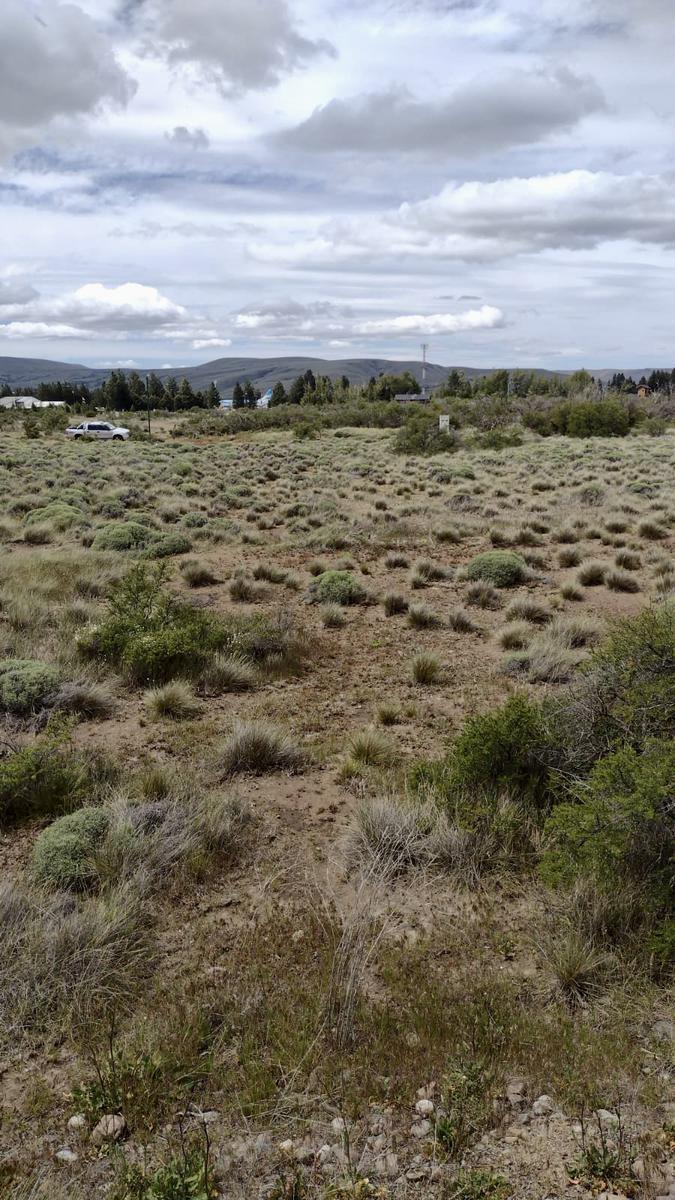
{"x": 336, "y": 807}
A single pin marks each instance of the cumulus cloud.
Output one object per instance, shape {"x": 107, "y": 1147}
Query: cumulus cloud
{"x": 486, "y": 317}
{"x": 190, "y": 139}
{"x": 130, "y": 310}
{"x": 288, "y": 319}
{"x": 55, "y": 63}
{"x": 487, "y": 114}
{"x": 235, "y": 44}
{"x": 486, "y": 221}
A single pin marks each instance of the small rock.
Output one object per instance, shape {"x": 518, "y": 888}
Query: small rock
{"x": 543, "y": 1106}
{"x": 77, "y": 1121}
{"x": 420, "y": 1129}
{"x": 109, "y": 1129}
{"x": 324, "y": 1154}
{"x": 287, "y": 1147}
{"x": 338, "y": 1126}
{"x": 515, "y": 1092}
{"x": 386, "y": 1166}
{"x": 424, "y": 1107}
{"x": 664, "y": 1030}
{"x": 415, "y": 1174}
{"x": 298, "y": 935}
{"x": 606, "y": 1116}
{"x": 66, "y": 1156}
{"x": 611, "y": 1196}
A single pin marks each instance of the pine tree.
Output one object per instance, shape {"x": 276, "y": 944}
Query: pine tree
{"x": 278, "y": 394}
{"x": 212, "y": 396}
{"x": 250, "y": 395}
{"x": 238, "y": 400}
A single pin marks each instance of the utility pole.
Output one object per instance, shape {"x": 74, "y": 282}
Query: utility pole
{"x": 425, "y": 347}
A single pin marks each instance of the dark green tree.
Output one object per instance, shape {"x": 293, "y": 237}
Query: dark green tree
{"x": 238, "y": 400}
{"x": 278, "y": 394}
{"x": 212, "y": 397}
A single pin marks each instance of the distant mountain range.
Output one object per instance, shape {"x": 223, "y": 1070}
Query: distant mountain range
{"x": 263, "y": 372}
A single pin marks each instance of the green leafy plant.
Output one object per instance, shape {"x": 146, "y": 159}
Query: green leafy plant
{"x": 63, "y": 855}
{"x": 501, "y": 568}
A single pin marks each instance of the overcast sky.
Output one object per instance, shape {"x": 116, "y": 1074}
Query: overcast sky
{"x": 182, "y": 180}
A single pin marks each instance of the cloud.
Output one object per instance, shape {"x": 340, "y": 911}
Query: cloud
{"x": 235, "y": 44}
{"x": 15, "y": 291}
{"x": 484, "y": 115}
{"x": 204, "y": 343}
{"x": 191, "y": 139}
{"x": 481, "y": 221}
{"x": 130, "y": 310}
{"x": 55, "y": 63}
{"x": 20, "y": 330}
{"x": 288, "y": 320}
{"x": 486, "y": 317}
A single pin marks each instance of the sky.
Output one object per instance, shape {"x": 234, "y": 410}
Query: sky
{"x": 184, "y": 180}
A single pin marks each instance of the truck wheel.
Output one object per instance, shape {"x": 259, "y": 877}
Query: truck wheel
{"x": 117, "y": 437}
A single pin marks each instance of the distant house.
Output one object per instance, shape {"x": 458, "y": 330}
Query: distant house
{"x": 411, "y": 397}
{"x": 29, "y": 402}
{"x": 644, "y": 391}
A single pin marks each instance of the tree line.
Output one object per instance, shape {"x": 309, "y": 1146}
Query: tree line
{"x": 123, "y": 392}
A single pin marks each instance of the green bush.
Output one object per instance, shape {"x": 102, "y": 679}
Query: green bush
{"x": 421, "y": 435}
{"x": 337, "y": 587}
{"x": 620, "y": 825}
{"x": 587, "y": 418}
{"x": 122, "y": 535}
{"x": 25, "y": 685}
{"x": 49, "y": 776}
{"x": 58, "y": 514}
{"x": 497, "y": 751}
{"x": 64, "y": 852}
{"x": 501, "y": 568}
{"x": 154, "y": 637}
{"x": 170, "y": 544}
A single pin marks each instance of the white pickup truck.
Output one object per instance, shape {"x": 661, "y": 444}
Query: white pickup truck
{"x": 98, "y": 429}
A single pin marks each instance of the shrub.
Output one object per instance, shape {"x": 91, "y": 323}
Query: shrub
{"x": 570, "y": 591}
{"x": 154, "y": 637}
{"x": 569, "y": 557}
{"x": 460, "y": 621}
{"x": 426, "y": 669}
{"x": 394, "y": 560}
{"x": 174, "y": 700}
{"x": 122, "y": 535}
{"x": 63, "y": 856}
{"x": 621, "y": 581}
{"x": 26, "y": 685}
{"x": 170, "y": 544}
{"x": 227, "y": 673}
{"x": 337, "y": 587}
{"x": 588, "y": 418}
{"x": 421, "y": 435}
{"x": 57, "y": 514}
{"x": 394, "y": 604}
{"x": 515, "y": 636}
{"x": 483, "y": 595}
{"x": 332, "y": 616}
{"x": 501, "y": 568}
{"x": 368, "y": 748}
{"x": 197, "y": 574}
{"x": 256, "y": 748}
{"x": 620, "y": 824}
{"x": 592, "y": 574}
{"x": 499, "y": 751}
{"x": 526, "y": 609}
{"x": 652, "y": 531}
{"x": 91, "y": 700}
{"x": 628, "y": 560}
{"x": 421, "y": 617}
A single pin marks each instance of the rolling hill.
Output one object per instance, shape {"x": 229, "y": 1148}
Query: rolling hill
{"x": 263, "y": 372}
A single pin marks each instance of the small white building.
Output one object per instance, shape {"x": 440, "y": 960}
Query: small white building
{"x": 29, "y": 402}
